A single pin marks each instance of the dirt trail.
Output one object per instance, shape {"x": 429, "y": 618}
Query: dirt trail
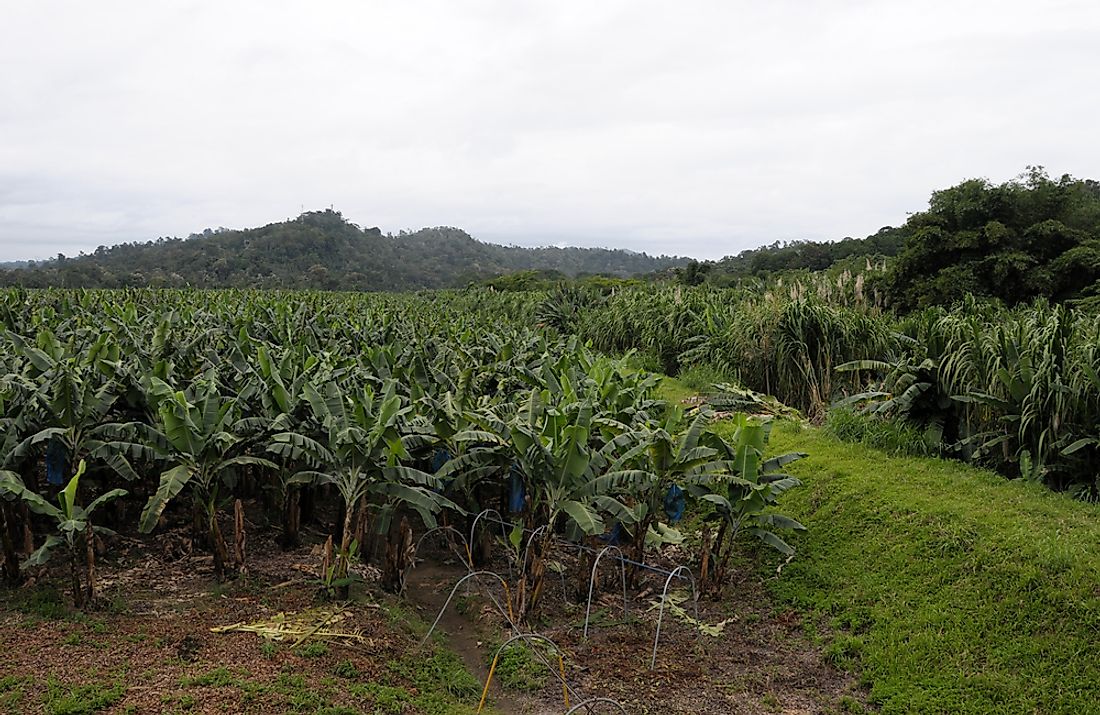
{"x": 428, "y": 587}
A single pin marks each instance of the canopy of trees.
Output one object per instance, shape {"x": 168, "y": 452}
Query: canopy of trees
{"x": 1026, "y": 238}
{"x": 321, "y": 249}
{"x": 786, "y": 256}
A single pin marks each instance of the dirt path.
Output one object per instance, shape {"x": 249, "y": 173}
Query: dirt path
{"x": 428, "y": 587}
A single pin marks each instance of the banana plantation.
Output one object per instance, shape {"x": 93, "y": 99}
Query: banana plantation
{"x": 405, "y": 410}
{"x": 422, "y": 453}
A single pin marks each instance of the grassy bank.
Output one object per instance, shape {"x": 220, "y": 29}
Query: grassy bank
{"x": 954, "y": 590}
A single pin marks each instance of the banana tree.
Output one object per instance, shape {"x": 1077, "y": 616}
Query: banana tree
{"x": 71, "y": 405}
{"x": 283, "y": 409}
{"x": 565, "y": 459}
{"x": 358, "y": 449}
{"x": 13, "y": 393}
{"x": 743, "y": 500}
{"x": 198, "y": 435}
{"x": 668, "y": 458}
{"x": 73, "y": 528}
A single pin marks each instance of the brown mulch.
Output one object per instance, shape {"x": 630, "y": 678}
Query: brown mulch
{"x": 152, "y": 635}
{"x": 762, "y": 662}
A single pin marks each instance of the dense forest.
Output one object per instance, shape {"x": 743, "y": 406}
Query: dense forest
{"x": 782, "y": 256}
{"x": 1031, "y": 237}
{"x": 321, "y": 249}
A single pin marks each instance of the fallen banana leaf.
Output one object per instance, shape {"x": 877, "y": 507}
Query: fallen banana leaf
{"x": 314, "y": 624}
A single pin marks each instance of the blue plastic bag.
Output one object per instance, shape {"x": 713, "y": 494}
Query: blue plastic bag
{"x": 517, "y": 499}
{"x": 56, "y": 461}
{"x": 675, "y": 503}
{"x": 613, "y": 537}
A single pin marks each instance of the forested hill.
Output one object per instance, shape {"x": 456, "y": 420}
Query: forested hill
{"x": 321, "y": 250}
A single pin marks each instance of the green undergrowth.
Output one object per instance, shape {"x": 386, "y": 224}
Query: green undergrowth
{"x": 432, "y": 682}
{"x": 949, "y": 588}
{"x": 890, "y": 435}
{"x": 519, "y": 668}
{"x": 81, "y": 699}
{"x": 674, "y": 390}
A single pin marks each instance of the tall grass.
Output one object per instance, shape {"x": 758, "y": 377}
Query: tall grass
{"x": 1017, "y": 390}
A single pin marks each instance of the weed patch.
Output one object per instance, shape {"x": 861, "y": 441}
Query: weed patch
{"x": 81, "y": 699}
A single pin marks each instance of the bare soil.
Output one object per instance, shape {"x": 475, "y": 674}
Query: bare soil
{"x": 149, "y": 648}
{"x": 764, "y": 660}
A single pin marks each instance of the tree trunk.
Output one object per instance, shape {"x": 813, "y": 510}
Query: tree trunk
{"x": 635, "y": 571}
{"x": 74, "y": 575}
{"x": 344, "y": 558}
{"x": 307, "y": 503}
{"x": 28, "y": 535}
{"x": 89, "y": 557}
{"x": 585, "y": 562}
{"x": 239, "y": 535}
{"x": 533, "y": 577}
{"x": 711, "y": 564}
{"x": 704, "y": 561}
{"x": 292, "y": 519}
{"x": 362, "y": 529}
{"x": 348, "y": 531}
{"x": 11, "y": 561}
{"x": 398, "y": 554}
{"x": 200, "y": 532}
{"x": 221, "y": 552}
{"x": 326, "y": 561}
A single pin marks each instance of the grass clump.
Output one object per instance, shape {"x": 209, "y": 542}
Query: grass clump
{"x": 674, "y": 391}
{"x": 969, "y": 593}
{"x": 81, "y": 699}
{"x": 383, "y": 699}
{"x": 44, "y": 602}
{"x": 701, "y": 378}
{"x": 346, "y": 669}
{"x": 216, "y": 678}
{"x": 315, "y": 649}
{"x": 443, "y": 671}
{"x": 11, "y": 692}
{"x": 891, "y": 435}
{"x": 519, "y": 669}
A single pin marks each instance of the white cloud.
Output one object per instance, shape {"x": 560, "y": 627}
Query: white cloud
{"x": 696, "y": 127}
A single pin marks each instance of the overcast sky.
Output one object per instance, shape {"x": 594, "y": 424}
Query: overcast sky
{"x": 694, "y": 128}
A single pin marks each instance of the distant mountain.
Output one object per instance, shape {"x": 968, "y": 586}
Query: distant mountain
{"x": 320, "y": 249}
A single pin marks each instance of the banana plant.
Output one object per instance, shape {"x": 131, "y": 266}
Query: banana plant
{"x": 199, "y": 437}
{"x": 358, "y": 449}
{"x": 13, "y": 396}
{"x": 565, "y": 458}
{"x": 743, "y": 500}
{"x": 71, "y": 406}
{"x": 72, "y": 525}
{"x": 668, "y": 458}
{"x": 282, "y": 409}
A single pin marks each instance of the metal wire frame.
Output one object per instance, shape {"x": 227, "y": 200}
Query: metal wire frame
{"x": 664, "y": 600}
{"x": 592, "y": 583}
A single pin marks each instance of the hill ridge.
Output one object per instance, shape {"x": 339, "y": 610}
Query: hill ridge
{"x": 322, "y": 249}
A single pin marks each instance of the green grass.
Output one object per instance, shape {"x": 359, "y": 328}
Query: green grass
{"x": 81, "y": 699}
{"x": 890, "y": 435}
{"x": 11, "y": 692}
{"x": 701, "y": 378}
{"x": 955, "y": 590}
{"x": 673, "y": 390}
{"x": 519, "y": 669}
{"x": 315, "y": 649}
